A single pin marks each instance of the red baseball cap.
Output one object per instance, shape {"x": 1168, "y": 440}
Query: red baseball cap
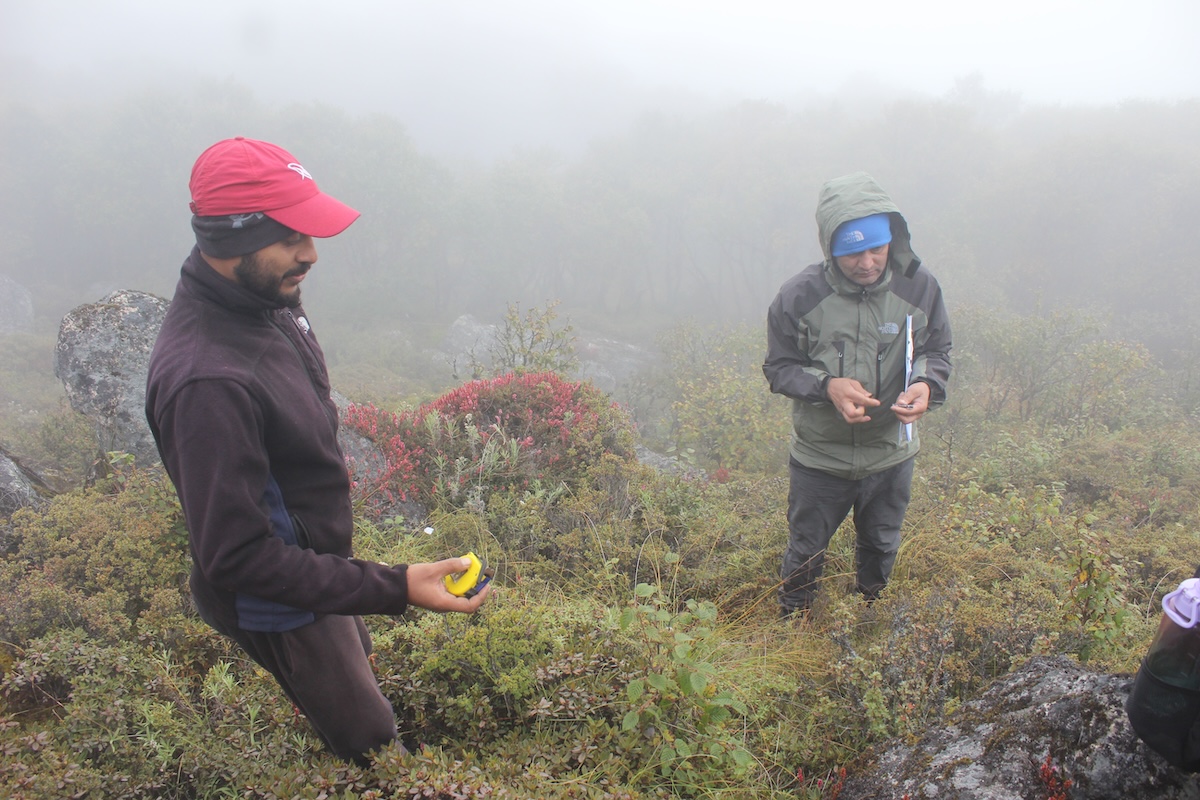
{"x": 245, "y": 176}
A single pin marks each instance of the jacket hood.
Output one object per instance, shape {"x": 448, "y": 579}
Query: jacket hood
{"x": 859, "y": 195}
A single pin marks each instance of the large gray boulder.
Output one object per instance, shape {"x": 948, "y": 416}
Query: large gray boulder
{"x": 16, "y": 307}
{"x": 467, "y": 342}
{"x": 102, "y": 355}
{"x": 996, "y": 747}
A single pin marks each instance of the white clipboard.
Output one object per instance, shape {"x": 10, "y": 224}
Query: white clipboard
{"x": 906, "y": 427}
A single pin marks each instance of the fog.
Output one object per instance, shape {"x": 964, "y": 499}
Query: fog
{"x": 638, "y": 161}
{"x": 478, "y": 78}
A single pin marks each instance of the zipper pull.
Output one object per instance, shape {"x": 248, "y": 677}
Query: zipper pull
{"x": 301, "y": 322}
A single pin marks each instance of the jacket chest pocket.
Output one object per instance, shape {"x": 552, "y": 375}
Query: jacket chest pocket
{"x": 830, "y": 356}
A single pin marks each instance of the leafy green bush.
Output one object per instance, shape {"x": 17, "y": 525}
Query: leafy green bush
{"x": 733, "y": 422}
{"x": 96, "y": 558}
{"x": 528, "y": 343}
{"x": 719, "y": 409}
{"x": 36, "y": 423}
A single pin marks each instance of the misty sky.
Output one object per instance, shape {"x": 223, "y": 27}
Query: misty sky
{"x": 485, "y": 76}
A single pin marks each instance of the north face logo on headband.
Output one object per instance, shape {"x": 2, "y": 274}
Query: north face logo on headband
{"x": 299, "y": 170}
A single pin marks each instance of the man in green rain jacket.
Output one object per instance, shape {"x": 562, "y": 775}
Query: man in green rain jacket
{"x": 861, "y": 343}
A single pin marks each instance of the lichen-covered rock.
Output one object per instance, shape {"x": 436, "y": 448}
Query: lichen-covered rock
{"x": 1049, "y": 722}
{"x": 668, "y": 465}
{"x": 102, "y": 356}
{"x": 19, "y": 487}
{"x": 609, "y": 364}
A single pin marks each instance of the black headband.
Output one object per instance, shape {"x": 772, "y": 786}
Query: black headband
{"x": 235, "y": 235}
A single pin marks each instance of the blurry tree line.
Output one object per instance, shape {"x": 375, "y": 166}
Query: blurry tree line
{"x": 698, "y": 217}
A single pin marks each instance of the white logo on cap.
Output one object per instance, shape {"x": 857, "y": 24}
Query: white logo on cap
{"x": 299, "y": 170}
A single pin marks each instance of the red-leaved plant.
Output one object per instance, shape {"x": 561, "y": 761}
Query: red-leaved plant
{"x": 514, "y": 432}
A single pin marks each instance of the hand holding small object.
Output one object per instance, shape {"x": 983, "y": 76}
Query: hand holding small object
{"x": 469, "y": 582}
{"x": 429, "y": 585}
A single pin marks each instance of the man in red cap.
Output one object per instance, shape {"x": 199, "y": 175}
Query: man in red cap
{"x": 238, "y": 399}
{"x": 860, "y": 342}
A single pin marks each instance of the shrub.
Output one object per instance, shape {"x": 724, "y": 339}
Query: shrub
{"x": 732, "y": 421}
{"x": 97, "y": 558}
{"x": 528, "y": 343}
{"x": 516, "y": 432}
{"x": 720, "y": 409}
{"x": 632, "y": 648}
{"x": 101, "y": 719}
{"x": 566, "y": 691}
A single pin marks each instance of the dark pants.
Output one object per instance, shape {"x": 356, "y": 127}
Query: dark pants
{"x": 323, "y": 669}
{"x": 817, "y": 504}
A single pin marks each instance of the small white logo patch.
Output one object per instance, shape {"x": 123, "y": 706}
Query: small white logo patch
{"x": 889, "y": 329}
{"x": 852, "y": 237}
{"x": 299, "y": 170}
{"x": 239, "y": 220}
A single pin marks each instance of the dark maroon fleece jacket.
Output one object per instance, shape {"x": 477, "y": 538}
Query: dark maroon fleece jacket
{"x": 238, "y": 399}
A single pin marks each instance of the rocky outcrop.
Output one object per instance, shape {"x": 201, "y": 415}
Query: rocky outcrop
{"x": 16, "y": 307}
{"x": 668, "y": 465}
{"x": 101, "y": 358}
{"x": 1047, "y": 723}
{"x": 19, "y": 487}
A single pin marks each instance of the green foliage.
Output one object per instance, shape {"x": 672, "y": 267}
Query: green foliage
{"x": 529, "y": 343}
{"x": 678, "y": 702}
{"x": 99, "y": 558}
{"x": 81, "y": 717}
{"x": 36, "y": 424}
{"x": 1096, "y": 603}
{"x": 732, "y": 421}
{"x": 1052, "y": 369}
{"x": 632, "y": 647}
{"x": 723, "y": 414}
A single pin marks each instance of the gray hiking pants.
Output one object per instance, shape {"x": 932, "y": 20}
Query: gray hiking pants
{"x": 817, "y": 504}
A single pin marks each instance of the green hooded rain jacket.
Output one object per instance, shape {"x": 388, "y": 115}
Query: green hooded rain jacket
{"x": 822, "y": 325}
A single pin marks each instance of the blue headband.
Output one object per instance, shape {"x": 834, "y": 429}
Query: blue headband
{"x": 861, "y": 234}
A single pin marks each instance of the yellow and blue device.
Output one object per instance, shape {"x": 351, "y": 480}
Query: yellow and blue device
{"x": 470, "y": 581}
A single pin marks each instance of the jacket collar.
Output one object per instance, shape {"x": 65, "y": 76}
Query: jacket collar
{"x": 201, "y": 279}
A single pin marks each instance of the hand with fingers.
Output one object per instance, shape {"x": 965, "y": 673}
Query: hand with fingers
{"x": 429, "y": 588}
